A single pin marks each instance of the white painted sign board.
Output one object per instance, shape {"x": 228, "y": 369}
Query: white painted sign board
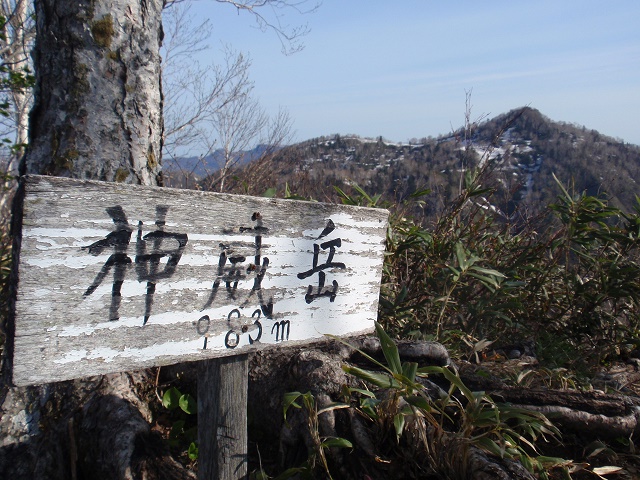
{"x": 116, "y": 277}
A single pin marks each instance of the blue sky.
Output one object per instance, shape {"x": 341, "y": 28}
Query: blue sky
{"x": 400, "y": 69}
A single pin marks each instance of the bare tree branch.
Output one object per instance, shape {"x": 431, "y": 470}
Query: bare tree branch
{"x": 209, "y": 108}
{"x": 290, "y": 36}
{"x": 238, "y": 124}
{"x": 192, "y": 92}
{"x": 270, "y": 15}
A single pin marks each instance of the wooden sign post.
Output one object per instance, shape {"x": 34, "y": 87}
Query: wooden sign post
{"x": 117, "y": 277}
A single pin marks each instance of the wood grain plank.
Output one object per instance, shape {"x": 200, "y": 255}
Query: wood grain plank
{"x": 118, "y": 277}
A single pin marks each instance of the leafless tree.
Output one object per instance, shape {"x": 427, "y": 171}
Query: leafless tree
{"x": 192, "y": 92}
{"x": 243, "y": 123}
{"x": 211, "y": 108}
{"x": 17, "y": 34}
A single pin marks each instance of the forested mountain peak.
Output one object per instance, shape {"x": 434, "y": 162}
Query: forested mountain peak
{"x": 523, "y": 148}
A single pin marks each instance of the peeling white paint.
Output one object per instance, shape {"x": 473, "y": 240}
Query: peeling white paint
{"x": 43, "y": 293}
{"x": 58, "y": 323}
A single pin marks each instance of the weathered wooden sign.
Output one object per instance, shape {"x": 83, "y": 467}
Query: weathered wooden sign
{"x": 117, "y": 277}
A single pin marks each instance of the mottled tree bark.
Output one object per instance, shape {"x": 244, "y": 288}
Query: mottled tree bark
{"x": 97, "y": 115}
{"x": 98, "y": 100}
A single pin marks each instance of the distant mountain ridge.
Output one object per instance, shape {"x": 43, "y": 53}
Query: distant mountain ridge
{"x": 524, "y": 147}
{"x": 201, "y": 166}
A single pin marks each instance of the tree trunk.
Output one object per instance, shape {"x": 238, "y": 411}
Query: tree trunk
{"x": 97, "y": 115}
{"x": 16, "y": 58}
{"x": 98, "y": 101}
